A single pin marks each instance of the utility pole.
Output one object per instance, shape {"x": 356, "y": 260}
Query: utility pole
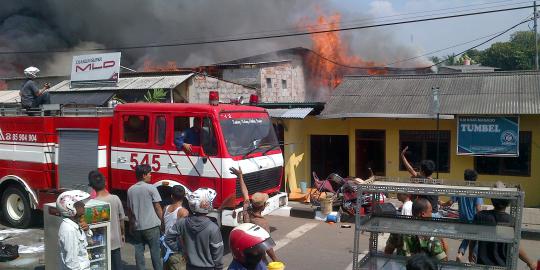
{"x": 535, "y": 36}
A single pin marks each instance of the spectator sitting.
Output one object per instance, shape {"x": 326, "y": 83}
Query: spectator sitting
{"x": 493, "y": 253}
{"x": 408, "y": 245}
{"x": 200, "y": 237}
{"x": 252, "y": 211}
{"x": 189, "y": 137}
{"x": 421, "y": 262}
{"x": 468, "y": 207}
{"x": 97, "y": 182}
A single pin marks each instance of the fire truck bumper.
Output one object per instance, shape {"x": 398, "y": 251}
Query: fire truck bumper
{"x": 233, "y": 218}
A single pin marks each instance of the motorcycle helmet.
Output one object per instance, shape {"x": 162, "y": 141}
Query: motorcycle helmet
{"x": 200, "y": 200}
{"x": 249, "y": 243}
{"x": 65, "y": 203}
{"x": 31, "y": 72}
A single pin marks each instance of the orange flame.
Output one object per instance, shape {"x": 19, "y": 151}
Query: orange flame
{"x": 332, "y": 58}
{"x": 149, "y": 66}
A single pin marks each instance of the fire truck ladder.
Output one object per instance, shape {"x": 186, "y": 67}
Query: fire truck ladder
{"x": 15, "y": 109}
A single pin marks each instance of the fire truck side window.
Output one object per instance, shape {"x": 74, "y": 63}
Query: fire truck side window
{"x": 136, "y": 128}
{"x": 160, "y": 130}
{"x": 208, "y": 138}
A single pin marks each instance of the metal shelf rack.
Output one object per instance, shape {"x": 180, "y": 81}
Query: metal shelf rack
{"x": 440, "y": 227}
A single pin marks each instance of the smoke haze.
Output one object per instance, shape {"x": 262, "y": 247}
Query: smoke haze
{"x": 29, "y": 25}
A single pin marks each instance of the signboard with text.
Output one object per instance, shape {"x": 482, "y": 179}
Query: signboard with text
{"x": 488, "y": 136}
{"x": 95, "y": 69}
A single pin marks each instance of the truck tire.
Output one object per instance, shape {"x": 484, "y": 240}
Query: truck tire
{"x": 16, "y": 207}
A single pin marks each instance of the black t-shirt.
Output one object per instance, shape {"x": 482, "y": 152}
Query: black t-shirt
{"x": 29, "y": 92}
{"x": 492, "y": 253}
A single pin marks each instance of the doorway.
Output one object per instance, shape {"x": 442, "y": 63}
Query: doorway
{"x": 370, "y": 152}
{"x": 329, "y": 154}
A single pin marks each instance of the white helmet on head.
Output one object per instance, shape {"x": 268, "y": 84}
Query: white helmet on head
{"x": 200, "y": 200}
{"x": 31, "y": 72}
{"x": 65, "y": 203}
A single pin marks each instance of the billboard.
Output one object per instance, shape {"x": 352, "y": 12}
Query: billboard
{"x": 488, "y": 136}
{"x": 95, "y": 69}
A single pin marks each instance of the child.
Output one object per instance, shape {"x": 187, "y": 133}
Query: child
{"x": 171, "y": 214}
{"x": 406, "y": 209}
{"x": 71, "y": 234}
{"x": 97, "y": 182}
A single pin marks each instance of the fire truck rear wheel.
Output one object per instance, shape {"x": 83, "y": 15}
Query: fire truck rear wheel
{"x": 16, "y": 207}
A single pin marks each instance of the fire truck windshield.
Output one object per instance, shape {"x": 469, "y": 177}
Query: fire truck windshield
{"x": 245, "y": 135}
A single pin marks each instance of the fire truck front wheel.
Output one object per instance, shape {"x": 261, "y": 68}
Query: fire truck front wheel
{"x": 16, "y": 207}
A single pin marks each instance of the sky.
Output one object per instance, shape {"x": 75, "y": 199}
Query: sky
{"x": 435, "y": 35}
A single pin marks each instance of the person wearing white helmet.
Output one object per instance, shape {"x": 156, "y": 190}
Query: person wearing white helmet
{"x": 31, "y": 96}
{"x": 72, "y": 232}
{"x": 198, "y": 236}
{"x": 249, "y": 243}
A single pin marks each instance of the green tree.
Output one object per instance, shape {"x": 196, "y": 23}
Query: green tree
{"x": 516, "y": 54}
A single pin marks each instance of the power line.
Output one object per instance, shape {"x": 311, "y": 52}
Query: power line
{"x": 265, "y": 37}
{"x": 426, "y": 67}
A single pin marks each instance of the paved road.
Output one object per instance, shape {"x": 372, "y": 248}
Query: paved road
{"x": 301, "y": 244}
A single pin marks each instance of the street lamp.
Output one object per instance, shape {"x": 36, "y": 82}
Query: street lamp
{"x": 437, "y": 111}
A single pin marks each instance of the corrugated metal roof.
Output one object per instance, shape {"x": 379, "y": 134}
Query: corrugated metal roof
{"x": 153, "y": 82}
{"x": 294, "y": 113}
{"x": 10, "y": 96}
{"x": 494, "y": 93}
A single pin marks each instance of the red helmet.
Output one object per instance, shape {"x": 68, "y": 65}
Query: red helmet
{"x": 249, "y": 242}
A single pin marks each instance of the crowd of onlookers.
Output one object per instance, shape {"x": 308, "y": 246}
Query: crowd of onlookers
{"x": 180, "y": 235}
{"x": 425, "y": 251}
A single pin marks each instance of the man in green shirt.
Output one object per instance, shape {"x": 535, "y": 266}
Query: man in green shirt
{"x": 408, "y": 245}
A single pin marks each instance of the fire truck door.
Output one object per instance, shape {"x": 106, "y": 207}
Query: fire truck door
{"x": 77, "y": 155}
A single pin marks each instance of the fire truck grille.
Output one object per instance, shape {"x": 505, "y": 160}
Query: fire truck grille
{"x": 260, "y": 181}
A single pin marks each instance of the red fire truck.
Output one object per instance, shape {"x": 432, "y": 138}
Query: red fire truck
{"x": 40, "y": 156}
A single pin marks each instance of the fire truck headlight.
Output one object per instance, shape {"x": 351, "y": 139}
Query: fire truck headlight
{"x": 239, "y": 217}
{"x": 282, "y": 201}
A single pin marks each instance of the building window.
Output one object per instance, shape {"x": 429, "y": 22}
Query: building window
{"x": 283, "y": 84}
{"x": 136, "y": 128}
{"x": 268, "y": 82}
{"x": 515, "y": 166}
{"x": 423, "y": 146}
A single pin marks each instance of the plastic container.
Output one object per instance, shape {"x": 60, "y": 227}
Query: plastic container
{"x": 276, "y": 266}
{"x": 303, "y": 187}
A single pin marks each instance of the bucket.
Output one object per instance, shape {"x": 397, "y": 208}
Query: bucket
{"x": 326, "y": 206}
{"x": 276, "y": 266}
{"x": 303, "y": 187}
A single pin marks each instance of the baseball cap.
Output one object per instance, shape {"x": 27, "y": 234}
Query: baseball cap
{"x": 259, "y": 199}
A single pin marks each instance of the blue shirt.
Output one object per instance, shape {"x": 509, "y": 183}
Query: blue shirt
{"x": 237, "y": 266}
{"x": 467, "y": 207}
{"x": 187, "y": 136}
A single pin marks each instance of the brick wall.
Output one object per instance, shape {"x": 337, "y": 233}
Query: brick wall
{"x": 287, "y": 83}
{"x": 200, "y": 86}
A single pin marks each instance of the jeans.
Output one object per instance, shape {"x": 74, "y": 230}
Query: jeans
{"x": 116, "y": 259}
{"x": 436, "y": 215}
{"x": 148, "y": 237}
{"x": 464, "y": 245}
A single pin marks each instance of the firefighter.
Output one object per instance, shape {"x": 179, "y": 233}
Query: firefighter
{"x": 31, "y": 96}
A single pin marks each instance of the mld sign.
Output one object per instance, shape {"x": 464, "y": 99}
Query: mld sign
{"x": 95, "y": 69}
{"x": 488, "y": 136}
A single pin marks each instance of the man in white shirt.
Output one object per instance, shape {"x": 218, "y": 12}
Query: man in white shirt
{"x": 406, "y": 209}
{"x": 73, "y": 232}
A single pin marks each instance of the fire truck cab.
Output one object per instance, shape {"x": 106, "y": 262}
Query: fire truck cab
{"x": 192, "y": 145}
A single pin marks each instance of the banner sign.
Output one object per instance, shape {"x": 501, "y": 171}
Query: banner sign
{"x": 488, "y": 136}
{"x": 95, "y": 69}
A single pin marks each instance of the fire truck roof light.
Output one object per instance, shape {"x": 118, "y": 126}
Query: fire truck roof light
{"x": 213, "y": 98}
{"x": 253, "y": 99}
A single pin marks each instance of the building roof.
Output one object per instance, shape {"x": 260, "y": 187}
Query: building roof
{"x": 275, "y": 56}
{"x": 134, "y": 83}
{"x": 10, "y": 96}
{"x": 293, "y": 113}
{"x": 492, "y": 93}
{"x": 469, "y": 68}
